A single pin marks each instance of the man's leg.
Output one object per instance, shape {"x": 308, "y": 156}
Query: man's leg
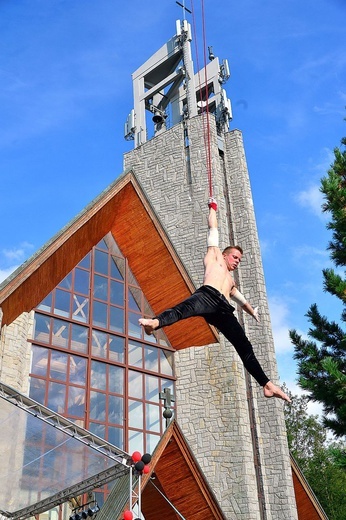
{"x": 181, "y": 311}
{"x": 233, "y": 331}
{"x": 200, "y": 303}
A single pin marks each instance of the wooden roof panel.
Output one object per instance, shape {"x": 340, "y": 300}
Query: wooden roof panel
{"x": 156, "y": 267}
{"x": 307, "y": 504}
{"x": 123, "y": 210}
{"x": 180, "y": 479}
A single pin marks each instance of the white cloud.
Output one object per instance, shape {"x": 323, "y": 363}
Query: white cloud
{"x": 312, "y": 260}
{"x": 286, "y": 364}
{"x": 312, "y": 199}
{"x": 12, "y": 258}
{"x": 17, "y": 253}
{"x": 313, "y": 408}
{"x": 279, "y": 313}
{"x": 328, "y": 108}
{"x": 4, "y": 273}
{"x": 305, "y": 251}
{"x": 327, "y": 158}
{"x": 317, "y": 70}
{"x": 265, "y": 246}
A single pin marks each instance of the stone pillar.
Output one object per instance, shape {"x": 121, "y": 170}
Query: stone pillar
{"x": 213, "y": 395}
{"x": 269, "y": 418}
{"x": 15, "y": 352}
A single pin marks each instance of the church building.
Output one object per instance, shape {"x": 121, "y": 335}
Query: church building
{"x": 71, "y": 342}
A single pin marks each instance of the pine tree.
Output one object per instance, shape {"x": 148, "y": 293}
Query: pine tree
{"x": 322, "y": 358}
{"x": 322, "y": 462}
{"x": 305, "y": 434}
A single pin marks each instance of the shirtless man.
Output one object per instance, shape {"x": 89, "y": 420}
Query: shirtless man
{"x": 212, "y": 302}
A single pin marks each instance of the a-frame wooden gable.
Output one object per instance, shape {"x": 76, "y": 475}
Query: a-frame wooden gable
{"x": 308, "y": 506}
{"x": 123, "y": 210}
{"x": 177, "y": 482}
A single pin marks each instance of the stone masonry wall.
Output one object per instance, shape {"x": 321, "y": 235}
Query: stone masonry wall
{"x": 270, "y": 424}
{"x": 15, "y": 352}
{"x": 211, "y": 388}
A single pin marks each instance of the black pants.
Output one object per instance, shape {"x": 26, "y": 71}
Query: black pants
{"x": 211, "y": 305}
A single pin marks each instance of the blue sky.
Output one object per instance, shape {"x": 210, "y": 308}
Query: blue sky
{"x": 66, "y": 90}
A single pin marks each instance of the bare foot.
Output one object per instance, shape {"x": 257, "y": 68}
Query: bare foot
{"x": 149, "y": 325}
{"x": 271, "y": 390}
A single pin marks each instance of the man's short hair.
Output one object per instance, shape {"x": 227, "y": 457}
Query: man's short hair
{"x": 228, "y": 249}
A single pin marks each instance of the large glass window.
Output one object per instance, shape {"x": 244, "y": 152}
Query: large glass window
{"x": 92, "y": 362}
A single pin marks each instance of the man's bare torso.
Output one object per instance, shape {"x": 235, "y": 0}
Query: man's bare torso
{"x": 216, "y": 273}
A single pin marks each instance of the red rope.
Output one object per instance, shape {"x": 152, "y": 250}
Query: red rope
{"x": 206, "y": 122}
{"x": 207, "y": 105}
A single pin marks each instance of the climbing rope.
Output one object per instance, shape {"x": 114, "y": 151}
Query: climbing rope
{"x": 206, "y": 121}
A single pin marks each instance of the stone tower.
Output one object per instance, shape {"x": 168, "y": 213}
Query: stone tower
{"x": 237, "y": 435}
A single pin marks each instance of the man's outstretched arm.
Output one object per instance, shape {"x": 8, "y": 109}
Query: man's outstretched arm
{"x": 239, "y": 298}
